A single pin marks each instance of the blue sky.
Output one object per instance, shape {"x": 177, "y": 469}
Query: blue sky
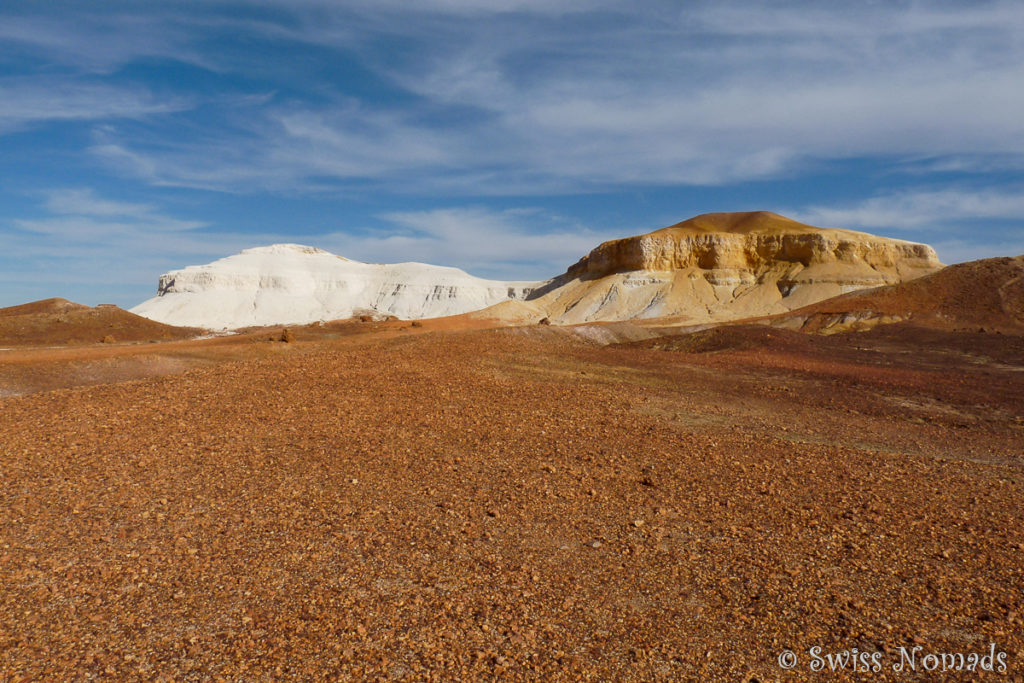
{"x": 505, "y": 138}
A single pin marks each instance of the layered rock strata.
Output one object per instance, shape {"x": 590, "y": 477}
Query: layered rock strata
{"x": 727, "y": 266}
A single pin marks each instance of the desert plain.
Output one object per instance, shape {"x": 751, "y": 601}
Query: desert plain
{"x": 453, "y": 500}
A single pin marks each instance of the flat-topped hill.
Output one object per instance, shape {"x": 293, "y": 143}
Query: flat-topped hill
{"x": 727, "y": 266}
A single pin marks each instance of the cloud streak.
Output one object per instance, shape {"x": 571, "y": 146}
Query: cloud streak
{"x": 25, "y": 102}
{"x": 508, "y": 244}
{"x": 79, "y": 215}
{"x": 921, "y": 209}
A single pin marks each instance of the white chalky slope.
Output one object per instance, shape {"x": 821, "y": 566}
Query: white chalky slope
{"x": 291, "y": 284}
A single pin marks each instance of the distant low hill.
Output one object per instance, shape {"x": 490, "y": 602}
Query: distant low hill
{"x": 59, "y": 321}
{"x": 979, "y": 295}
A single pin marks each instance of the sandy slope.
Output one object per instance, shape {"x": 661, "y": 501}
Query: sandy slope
{"x": 986, "y": 294}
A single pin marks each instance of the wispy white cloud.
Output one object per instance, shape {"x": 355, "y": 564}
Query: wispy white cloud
{"x": 84, "y": 202}
{"x": 355, "y": 143}
{"x": 86, "y": 40}
{"x": 881, "y": 20}
{"x": 466, "y": 7}
{"x": 288, "y": 147}
{"x": 968, "y": 164}
{"x": 958, "y": 251}
{"x": 509, "y": 244}
{"x": 78, "y": 214}
{"x": 25, "y": 102}
{"x": 921, "y": 209}
{"x": 237, "y": 169}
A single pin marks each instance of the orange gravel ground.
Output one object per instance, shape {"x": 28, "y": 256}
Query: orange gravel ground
{"x": 518, "y": 504}
{"x": 59, "y": 321}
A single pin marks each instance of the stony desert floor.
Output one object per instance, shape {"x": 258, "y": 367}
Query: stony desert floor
{"x": 396, "y": 503}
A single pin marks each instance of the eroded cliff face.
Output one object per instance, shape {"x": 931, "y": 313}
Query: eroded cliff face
{"x": 720, "y": 267}
{"x": 670, "y": 249}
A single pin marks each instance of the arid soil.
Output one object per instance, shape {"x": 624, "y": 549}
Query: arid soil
{"x": 985, "y": 295}
{"x": 387, "y": 502}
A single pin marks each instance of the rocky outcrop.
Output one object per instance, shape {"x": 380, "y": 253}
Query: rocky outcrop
{"x": 749, "y": 254}
{"x": 727, "y": 266}
{"x": 293, "y": 284}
